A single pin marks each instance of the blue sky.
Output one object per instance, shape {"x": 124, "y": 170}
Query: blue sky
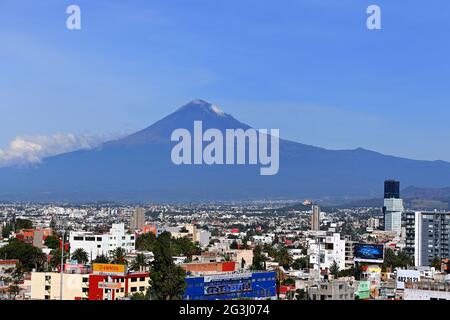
{"x": 308, "y": 67}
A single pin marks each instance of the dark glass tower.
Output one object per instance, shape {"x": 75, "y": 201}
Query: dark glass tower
{"x": 392, "y": 189}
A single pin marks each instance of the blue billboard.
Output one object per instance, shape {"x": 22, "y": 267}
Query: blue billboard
{"x": 369, "y": 253}
{"x": 231, "y": 286}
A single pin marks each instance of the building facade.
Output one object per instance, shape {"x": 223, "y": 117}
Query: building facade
{"x": 325, "y": 249}
{"x": 427, "y": 236}
{"x": 332, "y": 290}
{"x": 315, "y": 218}
{"x": 393, "y": 207}
{"x": 424, "y": 290}
{"x": 98, "y": 244}
{"x": 86, "y": 286}
{"x": 137, "y": 220}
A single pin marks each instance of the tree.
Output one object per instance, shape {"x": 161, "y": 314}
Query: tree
{"x": 80, "y": 255}
{"x": 234, "y": 245}
{"x": 288, "y": 282}
{"x": 145, "y": 242}
{"x": 400, "y": 260}
{"x": 139, "y": 263}
{"x": 334, "y": 269}
{"x": 389, "y": 259}
{"x": 284, "y": 258}
{"x": 436, "y": 263}
{"x": 118, "y": 256}
{"x": 301, "y": 294}
{"x": 52, "y": 242}
{"x": 55, "y": 260}
{"x": 101, "y": 259}
{"x": 301, "y": 263}
{"x": 351, "y": 272}
{"x": 270, "y": 250}
{"x": 139, "y": 296}
{"x": 30, "y": 257}
{"x": 226, "y": 257}
{"x": 23, "y": 224}
{"x": 184, "y": 246}
{"x": 167, "y": 281}
{"x": 215, "y": 232}
{"x": 17, "y": 276}
{"x": 258, "y": 259}
{"x": 6, "y": 230}
{"x": 403, "y": 260}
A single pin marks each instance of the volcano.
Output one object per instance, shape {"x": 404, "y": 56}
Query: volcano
{"x": 138, "y": 168}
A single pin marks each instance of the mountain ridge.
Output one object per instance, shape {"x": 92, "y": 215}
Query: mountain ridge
{"x": 138, "y": 167}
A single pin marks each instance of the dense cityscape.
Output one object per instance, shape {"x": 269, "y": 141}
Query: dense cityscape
{"x": 223, "y": 251}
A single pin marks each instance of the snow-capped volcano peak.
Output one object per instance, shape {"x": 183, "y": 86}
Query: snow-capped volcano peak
{"x": 202, "y": 105}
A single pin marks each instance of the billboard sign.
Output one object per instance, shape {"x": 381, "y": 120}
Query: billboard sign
{"x": 404, "y": 276}
{"x": 371, "y": 253}
{"x": 228, "y": 284}
{"x": 108, "y": 269}
{"x": 224, "y": 277}
{"x": 109, "y": 285}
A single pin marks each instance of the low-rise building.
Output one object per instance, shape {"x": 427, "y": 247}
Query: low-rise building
{"x": 427, "y": 290}
{"x": 332, "y": 290}
{"x": 86, "y": 286}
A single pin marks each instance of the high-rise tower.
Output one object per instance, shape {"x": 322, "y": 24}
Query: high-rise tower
{"x": 315, "y": 217}
{"x": 393, "y": 206}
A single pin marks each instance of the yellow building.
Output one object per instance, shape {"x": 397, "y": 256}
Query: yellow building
{"x": 47, "y": 286}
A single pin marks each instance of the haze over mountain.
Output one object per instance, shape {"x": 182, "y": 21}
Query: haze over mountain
{"x": 138, "y": 168}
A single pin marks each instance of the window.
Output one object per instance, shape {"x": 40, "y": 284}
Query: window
{"x": 133, "y": 289}
{"x": 99, "y": 239}
{"x": 133, "y": 279}
{"x": 78, "y": 238}
{"x": 142, "y": 279}
{"x": 141, "y": 288}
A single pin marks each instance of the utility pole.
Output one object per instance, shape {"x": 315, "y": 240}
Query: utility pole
{"x": 62, "y": 264}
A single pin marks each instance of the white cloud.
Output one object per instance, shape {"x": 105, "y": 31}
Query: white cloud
{"x": 25, "y": 150}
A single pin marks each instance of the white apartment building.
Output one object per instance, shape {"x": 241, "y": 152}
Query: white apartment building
{"x": 97, "y": 244}
{"x": 324, "y": 249}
